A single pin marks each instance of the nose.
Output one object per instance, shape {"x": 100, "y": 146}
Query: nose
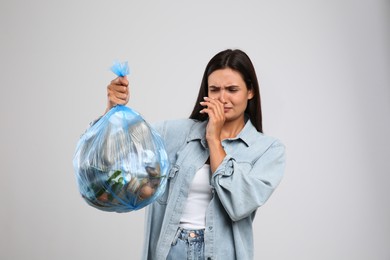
{"x": 222, "y": 96}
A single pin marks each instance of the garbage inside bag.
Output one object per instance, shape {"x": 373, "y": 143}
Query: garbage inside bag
{"x": 120, "y": 162}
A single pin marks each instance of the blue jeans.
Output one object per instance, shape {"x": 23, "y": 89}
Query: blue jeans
{"x": 187, "y": 245}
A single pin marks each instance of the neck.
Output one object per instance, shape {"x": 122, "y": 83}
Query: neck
{"x": 232, "y": 129}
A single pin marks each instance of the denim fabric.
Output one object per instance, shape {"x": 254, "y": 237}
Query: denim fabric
{"x": 187, "y": 245}
{"x": 246, "y": 178}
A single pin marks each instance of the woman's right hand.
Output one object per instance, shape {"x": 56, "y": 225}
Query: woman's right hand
{"x": 117, "y": 92}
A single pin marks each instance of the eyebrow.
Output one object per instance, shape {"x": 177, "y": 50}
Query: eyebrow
{"x": 230, "y": 86}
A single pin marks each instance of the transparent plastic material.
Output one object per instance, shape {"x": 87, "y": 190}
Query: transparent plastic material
{"x": 121, "y": 69}
{"x": 120, "y": 162}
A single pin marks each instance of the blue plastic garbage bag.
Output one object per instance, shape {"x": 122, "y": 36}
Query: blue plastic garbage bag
{"x": 121, "y": 69}
{"x": 120, "y": 162}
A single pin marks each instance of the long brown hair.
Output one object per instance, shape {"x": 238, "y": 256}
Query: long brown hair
{"x": 239, "y": 61}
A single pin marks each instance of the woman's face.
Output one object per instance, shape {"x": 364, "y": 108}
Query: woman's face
{"x": 228, "y": 86}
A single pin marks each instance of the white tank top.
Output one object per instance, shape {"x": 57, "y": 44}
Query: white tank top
{"x": 199, "y": 196}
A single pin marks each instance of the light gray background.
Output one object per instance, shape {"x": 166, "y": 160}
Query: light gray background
{"x": 325, "y": 84}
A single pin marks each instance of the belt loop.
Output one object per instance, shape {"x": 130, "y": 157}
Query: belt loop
{"x": 174, "y": 242}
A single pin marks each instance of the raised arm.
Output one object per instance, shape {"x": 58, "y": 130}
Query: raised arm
{"x": 244, "y": 185}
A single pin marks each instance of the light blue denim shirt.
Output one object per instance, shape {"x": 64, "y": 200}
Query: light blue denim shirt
{"x": 250, "y": 172}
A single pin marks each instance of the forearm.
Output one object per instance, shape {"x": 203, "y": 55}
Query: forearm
{"x": 217, "y": 154}
{"x": 251, "y": 178}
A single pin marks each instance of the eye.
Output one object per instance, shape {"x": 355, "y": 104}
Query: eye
{"x": 213, "y": 89}
{"x": 232, "y": 89}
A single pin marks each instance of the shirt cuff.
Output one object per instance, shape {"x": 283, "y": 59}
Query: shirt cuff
{"x": 224, "y": 169}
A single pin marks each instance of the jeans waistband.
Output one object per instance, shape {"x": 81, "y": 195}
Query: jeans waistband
{"x": 196, "y": 235}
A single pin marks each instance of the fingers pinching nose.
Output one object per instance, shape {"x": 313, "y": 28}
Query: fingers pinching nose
{"x": 208, "y": 98}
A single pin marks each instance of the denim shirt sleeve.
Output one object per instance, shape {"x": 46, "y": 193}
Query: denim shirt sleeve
{"x": 242, "y": 187}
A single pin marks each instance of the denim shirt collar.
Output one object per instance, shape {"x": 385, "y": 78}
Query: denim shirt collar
{"x": 246, "y": 135}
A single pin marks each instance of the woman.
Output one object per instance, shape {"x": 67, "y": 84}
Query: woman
{"x": 222, "y": 167}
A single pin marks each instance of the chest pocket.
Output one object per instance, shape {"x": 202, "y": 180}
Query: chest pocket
{"x": 163, "y": 199}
